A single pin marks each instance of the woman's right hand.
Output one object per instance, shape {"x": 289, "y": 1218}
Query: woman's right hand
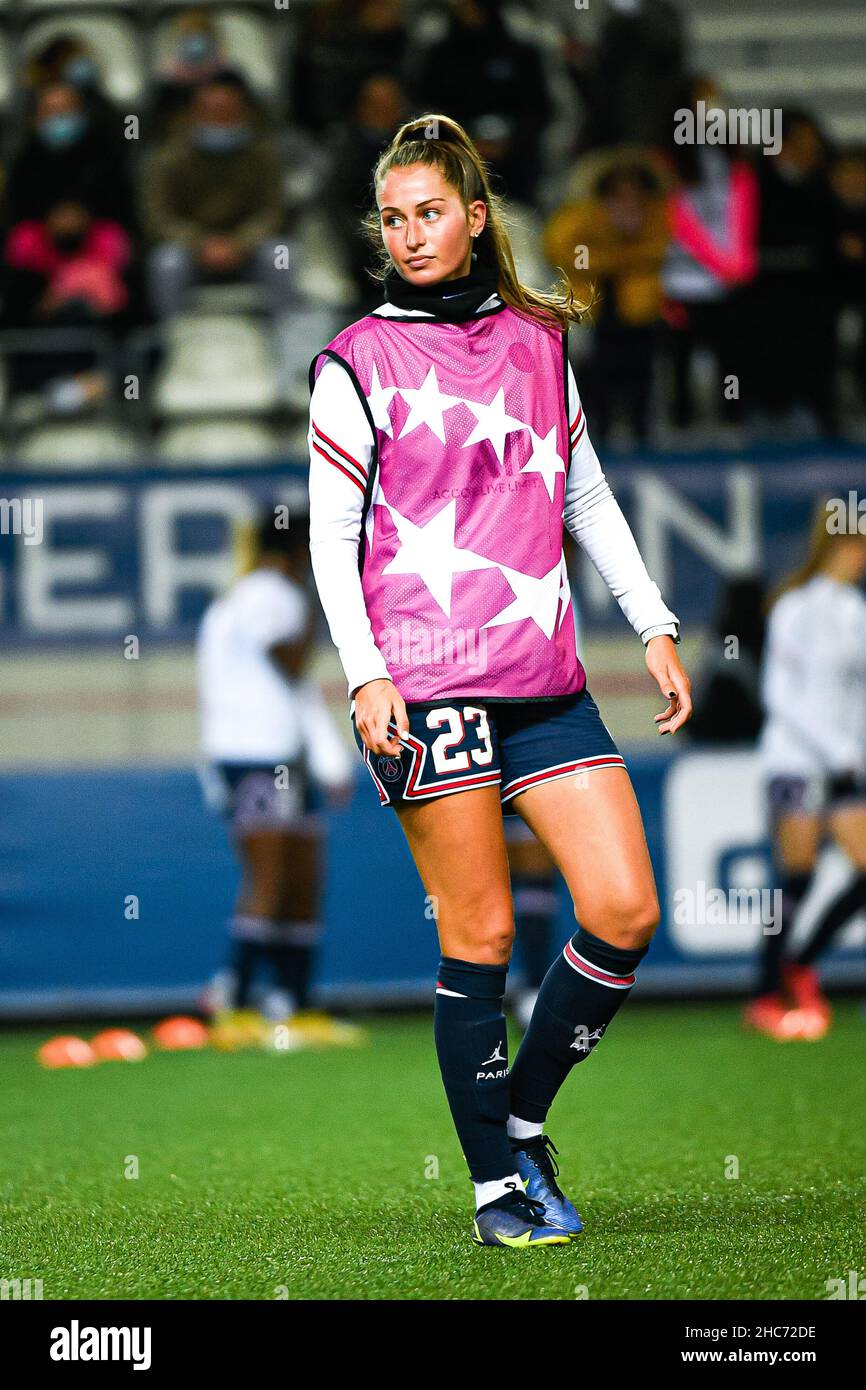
{"x": 376, "y": 703}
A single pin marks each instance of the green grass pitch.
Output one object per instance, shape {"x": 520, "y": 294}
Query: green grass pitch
{"x": 313, "y": 1175}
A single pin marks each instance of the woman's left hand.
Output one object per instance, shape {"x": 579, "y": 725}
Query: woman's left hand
{"x": 663, "y": 663}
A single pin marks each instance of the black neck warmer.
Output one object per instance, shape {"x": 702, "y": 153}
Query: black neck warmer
{"x": 452, "y": 301}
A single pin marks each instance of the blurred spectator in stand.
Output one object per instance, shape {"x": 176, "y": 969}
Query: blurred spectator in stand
{"x": 197, "y": 57}
{"x": 791, "y": 336}
{"x": 213, "y": 207}
{"x": 494, "y": 83}
{"x": 727, "y": 705}
{"x": 380, "y": 109}
{"x": 619, "y": 236}
{"x": 630, "y": 87}
{"x": 65, "y": 270}
{"x": 342, "y": 43}
{"x": 68, "y": 59}
{"x": 69, "y": 156}
{"x": 212, "y": 202}
{"x": 848, "y": 183}
{"x": 713, "y": 211}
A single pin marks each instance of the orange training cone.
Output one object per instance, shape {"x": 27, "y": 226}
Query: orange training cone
{"x": 178, "y": 1034}
{"x": 118, "y": 1045}
{"x": 66, "y": 1051}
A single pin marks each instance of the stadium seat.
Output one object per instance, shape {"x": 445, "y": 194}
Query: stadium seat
{"x": 82, "y": 444}
{"x": 217, "y": 441}
{"x": 113, "y": 41}
{"x": 5, "y": 72}
{"x": 216, "y": 364}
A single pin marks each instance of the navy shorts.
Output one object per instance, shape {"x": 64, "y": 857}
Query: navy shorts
{"x": 817, "y": 795}
{"x": 259, "y": 796}
{"x": 456, "y": 744}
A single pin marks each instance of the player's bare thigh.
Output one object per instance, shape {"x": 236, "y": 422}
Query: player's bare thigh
{"x": 847, "y": 825}
{"x": 281, "y": 874}
{"x": 458, "y": 845}
{"x": 797, "y": 840}
{"x": 591, "y": 825}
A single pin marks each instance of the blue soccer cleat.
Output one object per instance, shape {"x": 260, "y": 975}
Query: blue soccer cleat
{"x": 539, "y": 1171}
{"x": 516, "y": 1220}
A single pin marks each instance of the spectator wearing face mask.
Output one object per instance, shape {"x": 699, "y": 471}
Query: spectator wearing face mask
{"x": 212, "y": 202}
{"x": 68, "y": 156}
{"x": 66, "y": 270}
{"x": 197, "y": 56}
{"x": 68, "y": 59}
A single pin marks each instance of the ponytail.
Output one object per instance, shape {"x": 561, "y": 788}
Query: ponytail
{"x": 441, "y": 142}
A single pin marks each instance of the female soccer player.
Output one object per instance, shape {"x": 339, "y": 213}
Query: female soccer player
{"x": 447, "y": 448}
{"x": 266, "y": 732}
{"x": 813, "y": 750}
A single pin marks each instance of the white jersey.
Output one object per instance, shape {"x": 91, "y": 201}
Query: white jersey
{"x": 814, "y": 681}
{"x": 591, "y": 514}
{"x": 248, "y": 709}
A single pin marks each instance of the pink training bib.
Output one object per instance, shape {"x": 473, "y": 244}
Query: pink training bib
{"x": 461, "y": 554}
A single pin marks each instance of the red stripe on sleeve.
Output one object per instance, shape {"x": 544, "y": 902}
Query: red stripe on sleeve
{"x": 356, "y": 481}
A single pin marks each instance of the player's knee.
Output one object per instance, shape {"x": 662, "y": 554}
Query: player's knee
{"x": 628, "y": 924}
{"x": 485, "y": 940}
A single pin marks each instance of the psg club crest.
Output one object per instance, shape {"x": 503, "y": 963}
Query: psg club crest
{"x": 389, "y": 768}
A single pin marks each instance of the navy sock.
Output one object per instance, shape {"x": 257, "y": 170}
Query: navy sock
{"x": 246, "y": 957}
{"x": 794, "y": 886}
{"x": 535, "y": 905}
{"x": 834, "y": 917}
{"x": 472, "y": 1047}
{"x": 579, "y": 996}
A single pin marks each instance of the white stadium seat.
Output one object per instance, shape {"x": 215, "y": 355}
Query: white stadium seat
{"x": 217, "y": 441}
{"x": 79, "y": 444}
{"x": 216, "y": 364}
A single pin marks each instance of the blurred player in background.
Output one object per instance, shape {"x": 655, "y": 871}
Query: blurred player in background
{"x": 813, "y": 749}
{"x": 267, "y": 734}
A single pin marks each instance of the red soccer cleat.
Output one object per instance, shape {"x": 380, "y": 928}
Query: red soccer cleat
{"x": 804, "y": 987}
{"x": 766, "y": 1014}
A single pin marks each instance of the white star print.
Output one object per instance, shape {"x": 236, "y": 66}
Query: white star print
{"x": 369, "y": 524}
{"x": 379, "y": 401}
{"x": 544, "y": 459}
{"x": 537, "y": 599}
{"x": 429, "y": 551}
{"x": 564, "y": 591}
{"x": 427, "y": 405}
{"x": 493, "y": 423}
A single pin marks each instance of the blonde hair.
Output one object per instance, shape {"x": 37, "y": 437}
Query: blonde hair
{"x": 820, "y": 540}
{"x": 442, "y": 143}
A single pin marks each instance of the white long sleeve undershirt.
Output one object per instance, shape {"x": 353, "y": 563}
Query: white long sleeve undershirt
{"x": 592, "y": 515}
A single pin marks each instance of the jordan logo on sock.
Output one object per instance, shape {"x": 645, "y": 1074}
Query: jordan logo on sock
{"x": 584, "y": 1040}
{"x": 497, "y": 1054}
